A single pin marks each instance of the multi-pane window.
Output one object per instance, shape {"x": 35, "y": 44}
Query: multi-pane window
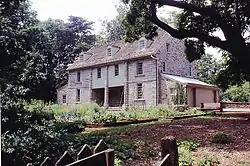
{"x": 78, "y": 95}
{"x": 64, "y": 99}
{"x": 139, "y": 68}
{"x": 141, "y": 44}
{"x": 139, "y": 91}
{"x": 167, "y": 47}
{"x": 99, "y": 72}
{"x": 163, "y": 66}
{"x": 109, "y": 51}
{"x": 78, "y": 76}
{"x": 116, "y": 70}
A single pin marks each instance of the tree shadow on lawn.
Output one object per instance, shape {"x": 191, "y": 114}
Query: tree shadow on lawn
{"x": 197, "y": 129}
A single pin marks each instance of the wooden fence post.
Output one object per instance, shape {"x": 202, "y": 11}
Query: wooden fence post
{"x": 169, "y": 146}
{"x": 110, "y": 157}
{"x": 65, "y": 159}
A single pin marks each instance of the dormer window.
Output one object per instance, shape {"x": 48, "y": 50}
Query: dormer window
{"x": 109, "y": 51}
{"x": 142, "y": 43}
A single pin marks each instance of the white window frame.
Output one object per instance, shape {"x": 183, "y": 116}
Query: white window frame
{"x": 78, "y": 95}
{"x": 64, "y": 99}
{"x": 78, "y": 76}
{"x": 116, "y": 70}
{"x": 164, "y": 66}
{"x": 139, "y": 91}
{"x": 109, "y": 51}
{"x": 99, "y": 72}
{"x": 139, "y": 68}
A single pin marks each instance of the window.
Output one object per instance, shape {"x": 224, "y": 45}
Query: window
{"x": 172, "y": 91}
{"x": 78, "y": 76}
{"x": 167, "y": 47}
{"x": 78, "y": 95}
{"x": 139, "y": 68}
{"x": 190, "y": 71}
{"x": 109, "y": 51}
{"x": 116, "y": 70}
{"x": 141, "y": 44}
{"x": 64, "y": 99}
{"x": 139, "y": 91}
{"x": 99, "y": 72}
{"x": 163, "y": 66}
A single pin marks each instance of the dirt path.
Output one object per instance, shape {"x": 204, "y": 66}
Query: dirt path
{"x": 236, "y": 153}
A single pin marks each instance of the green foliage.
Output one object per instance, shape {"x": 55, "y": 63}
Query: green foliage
{"x": 238, "y": 93}
{"x": 189, "y": 145}
{"x": 184, "y": 149}
{"x": 35, "y": 54}
{"x": 207, "y": 161}
{"x": 113, "y": 29}
{"x": 221, "y": 138}
{"x": 197, "y": 23}
{"x": 208, "y": 69}
{"x": 180, "y": 98}
{"x": 91, "y": 112}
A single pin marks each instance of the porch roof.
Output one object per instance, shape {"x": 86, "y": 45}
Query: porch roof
{"x": 186, "y": 80}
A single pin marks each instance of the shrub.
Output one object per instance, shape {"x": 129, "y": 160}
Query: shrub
{"x": 208, "y": 161}
{"x": 184, "y": 149}
{"x": 221, "y": 138}
{"x": 238, "y": 93}
{"x": 68, "y": 127}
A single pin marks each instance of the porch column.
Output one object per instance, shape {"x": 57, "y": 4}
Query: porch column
{"x": 126, "y": 75}
{"x": 106, "y": 90}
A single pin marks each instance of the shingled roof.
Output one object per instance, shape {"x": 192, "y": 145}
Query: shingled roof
{"x": 127, "y": 51}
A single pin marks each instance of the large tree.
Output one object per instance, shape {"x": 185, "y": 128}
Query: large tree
{"x": 208, "y": 69}
{"x": 198, "y": 21}
{"x": 113, "y": 29}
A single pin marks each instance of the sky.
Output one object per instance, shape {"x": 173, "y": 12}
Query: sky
{"x": 92, "y": 10}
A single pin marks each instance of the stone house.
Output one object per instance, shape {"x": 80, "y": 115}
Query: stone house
{"x": 141, "y": 73}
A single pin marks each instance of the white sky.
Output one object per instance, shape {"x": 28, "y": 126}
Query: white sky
{"x": 92, "y": 10}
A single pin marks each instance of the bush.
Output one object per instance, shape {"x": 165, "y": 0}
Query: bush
{"x": 238, "y": 93}
{"x": 184, "y": 149}
{"x": 208, "y": 161}
{"x": 221, "y": 138}
{"x": 69, "y": 127}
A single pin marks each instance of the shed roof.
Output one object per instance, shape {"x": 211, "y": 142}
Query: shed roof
{"x": 186, "y": 80}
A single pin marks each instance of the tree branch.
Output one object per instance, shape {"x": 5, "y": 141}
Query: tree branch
{"x": 182, "y": 33}
{"x": 205, "y": 11}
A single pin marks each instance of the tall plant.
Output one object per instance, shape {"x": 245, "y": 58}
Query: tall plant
{"x": 180, "y": 97}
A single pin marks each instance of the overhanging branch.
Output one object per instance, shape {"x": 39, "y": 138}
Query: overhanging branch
{"x": 205, "y": 11}
{"x": 182, "y": 33}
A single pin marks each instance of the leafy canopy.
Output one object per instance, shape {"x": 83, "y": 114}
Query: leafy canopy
{"x": 197, "y": 23}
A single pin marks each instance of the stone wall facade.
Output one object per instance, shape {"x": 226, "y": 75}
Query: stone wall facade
{"x": 155, "y": 89}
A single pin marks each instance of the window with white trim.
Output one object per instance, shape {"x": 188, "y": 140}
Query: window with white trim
{"x": 78, "y": 95}
{"x": 99, "y": 72}
{"x": 142, "y": 44}
{"x": 109, "y": 53}
{"x": 78, "y": 76}
{"x": 116, "y": 70}
{"x": 139, "y": 91}
{"x": 139, "y": 68}
{"x": 164, "y": 66}
{"x": 64, "y": 99}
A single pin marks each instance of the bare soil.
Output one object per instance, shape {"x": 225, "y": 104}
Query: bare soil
{"x": 237, "y": 153}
